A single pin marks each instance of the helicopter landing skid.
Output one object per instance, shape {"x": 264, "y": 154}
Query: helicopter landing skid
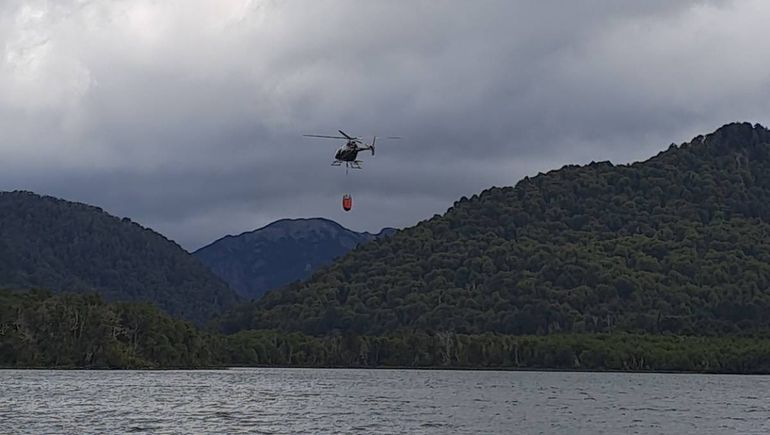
{"x": 351, "y": 165}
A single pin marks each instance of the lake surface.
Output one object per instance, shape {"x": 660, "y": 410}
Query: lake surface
{"x": 273, "y": 401}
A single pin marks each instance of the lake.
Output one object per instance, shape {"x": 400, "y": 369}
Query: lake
{"x": 272, "y": 401}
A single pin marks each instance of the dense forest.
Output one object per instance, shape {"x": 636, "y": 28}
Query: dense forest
{"x": 42, "y": 329}
{"x": 50, "y": 243}
{"x": 285, "y": 251}
{"x": 616, "y": 352}
{"x": 677, "y": 244}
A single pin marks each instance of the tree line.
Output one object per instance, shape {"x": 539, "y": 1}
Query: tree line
{"x": 39, "y": 329}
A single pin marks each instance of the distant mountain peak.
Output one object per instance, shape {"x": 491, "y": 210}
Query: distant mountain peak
{"x": 288, "y": 227}
{"x": 281, "y": 252}
{"x": 294, "y": 221}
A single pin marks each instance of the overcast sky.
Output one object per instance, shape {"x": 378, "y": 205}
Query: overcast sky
{"x": 187, "y": 115}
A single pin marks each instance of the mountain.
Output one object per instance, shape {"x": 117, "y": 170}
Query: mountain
{"x": 59, "y": 245}
{"x": 677, "y": 244}
{"x": 285, "y": 251}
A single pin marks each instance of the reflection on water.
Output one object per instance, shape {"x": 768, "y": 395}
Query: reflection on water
{"x": 274, "y": 401}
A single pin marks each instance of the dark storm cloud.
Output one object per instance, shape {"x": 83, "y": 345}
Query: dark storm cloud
{"x": 187, "y": 116}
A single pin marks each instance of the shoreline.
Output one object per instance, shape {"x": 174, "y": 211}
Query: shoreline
{"x": 384, "y": 368}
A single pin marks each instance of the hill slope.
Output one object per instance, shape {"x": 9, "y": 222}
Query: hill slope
{"x": 678, "y": 244}
{"x": 65, "y": 246}
{"x": 285, "y": 251}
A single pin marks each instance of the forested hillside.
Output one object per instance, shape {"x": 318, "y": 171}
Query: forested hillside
{"x": 285, "y": 251}
{"x": 677, "y": 244}
{"x": 50, "y": 243}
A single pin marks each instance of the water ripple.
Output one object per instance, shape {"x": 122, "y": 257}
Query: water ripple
{"x": 279, "y": 401}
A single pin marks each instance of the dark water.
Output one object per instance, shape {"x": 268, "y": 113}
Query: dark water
{"x": 379, "y": 401}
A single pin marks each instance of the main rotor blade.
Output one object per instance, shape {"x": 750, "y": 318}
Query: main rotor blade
{"x": 346, "y": 136}
{"x": 383, "y": 137}
{"x": 326, "y": 137}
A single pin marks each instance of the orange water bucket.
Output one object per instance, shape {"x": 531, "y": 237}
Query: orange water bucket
{"x": 347, "y": 202}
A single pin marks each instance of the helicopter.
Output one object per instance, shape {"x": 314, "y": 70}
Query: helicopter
{"x": 348, "y": 153}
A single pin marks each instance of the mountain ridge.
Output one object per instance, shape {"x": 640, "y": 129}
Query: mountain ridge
{"x": 279, "y": 253}
{"x": 48, "y": 242}
{"x": 282, "y": 221}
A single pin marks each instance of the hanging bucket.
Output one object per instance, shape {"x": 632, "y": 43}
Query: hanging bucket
{"x": 347, "y": 202}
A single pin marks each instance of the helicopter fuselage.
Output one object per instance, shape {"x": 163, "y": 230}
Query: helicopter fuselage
{"x": 349, "y": 152}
